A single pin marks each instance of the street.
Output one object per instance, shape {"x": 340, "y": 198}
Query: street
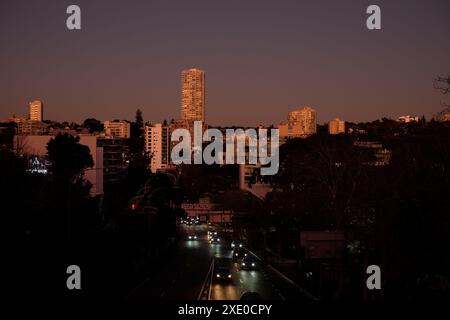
{"x": 186, "y": 275}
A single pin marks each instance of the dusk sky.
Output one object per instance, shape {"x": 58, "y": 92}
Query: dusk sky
{"x": 261, "y": 58}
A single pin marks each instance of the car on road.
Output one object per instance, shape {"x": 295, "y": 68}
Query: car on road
{"x": 214, "y": 240}
{"x": 192, "y": 237}
{"x": 212, "y": 233}
{"x": 223, "y": 273}
{"x": 237, "y": 244}
{"x": 248, "y": 263}
{"x": 238, "y": 254}
{"x": 189, "y": 222}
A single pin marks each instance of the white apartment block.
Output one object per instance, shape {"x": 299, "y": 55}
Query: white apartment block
{"x": 157, "y": 145}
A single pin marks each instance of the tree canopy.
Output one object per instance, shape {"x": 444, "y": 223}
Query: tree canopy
{"x": 68, "y": 157}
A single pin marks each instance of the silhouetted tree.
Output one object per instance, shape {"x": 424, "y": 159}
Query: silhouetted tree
{"x": 139, "y": 120}
{"x": 395, "y": 216}
{"x": 443, "y": 84}
{"x": 68, "y": 157}
{"x": 137, "y": 141}
{"x": 93, "y": 125}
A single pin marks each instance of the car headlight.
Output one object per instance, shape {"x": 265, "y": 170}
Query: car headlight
{"x": 245, "y": 254}
{"x": 240, "y": 246}
{"x": 190, "y": 237}
{"x": 195, "y": 237}
{"x": 218, "y": 275}
{"x": 229, "y": 276}
{"x": 243, "y": 263}
{"x": 236, "y": 254}
{"x": 253, "y": 264}
{"x": 218, "y": 239}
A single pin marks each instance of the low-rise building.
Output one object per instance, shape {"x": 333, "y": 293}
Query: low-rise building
{"x": 382, "y": 156}
{"x": 300, "y": 123}
{"x": 116, "y": 158}
{"x": 336, "y": 126}
{"x": 408, "y": 118}
{"x": 27, "y": 126}
{"x": 117, "y": 129}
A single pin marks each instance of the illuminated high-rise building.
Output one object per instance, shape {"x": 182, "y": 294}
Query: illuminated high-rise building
{"x": 36, "y": 110}
{"x": 193, "y": 95}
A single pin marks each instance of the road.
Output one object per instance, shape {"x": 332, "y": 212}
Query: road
{"x": 184, "y": 274}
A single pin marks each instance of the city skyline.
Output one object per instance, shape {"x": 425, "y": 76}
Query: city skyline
{"x": 262, "y": 59}
{"x": 199, "y": 155}
{"x": 26, "y": 116}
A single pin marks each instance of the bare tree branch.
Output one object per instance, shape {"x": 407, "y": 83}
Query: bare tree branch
{"x": 443, "y": 84}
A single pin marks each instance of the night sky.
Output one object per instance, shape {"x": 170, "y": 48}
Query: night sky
{"x": 262, "y": 58}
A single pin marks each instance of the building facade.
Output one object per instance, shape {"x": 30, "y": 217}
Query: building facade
{"x": 115, "y": 159}
{"x": 336, "y": 126}
{"x": 117, "y": 129}
{"x": 408, "y": 118}
{"x": 300, "y": 123}
{"x": 193, "y": 95}
{"x": 36, "y": 110}
{"x": 381, "y": 156}
{"x": 27, "y": 126}
{"x": 158, "y": 145}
